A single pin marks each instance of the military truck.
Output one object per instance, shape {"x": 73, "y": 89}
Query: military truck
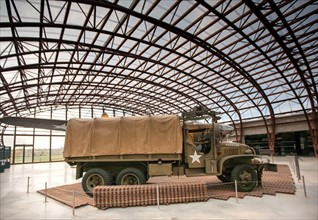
{"x": 128, "y": 150}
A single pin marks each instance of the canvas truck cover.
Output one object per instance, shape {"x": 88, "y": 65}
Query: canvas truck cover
{"x": 123, "y": 136}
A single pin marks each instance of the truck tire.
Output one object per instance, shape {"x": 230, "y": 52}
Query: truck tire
{"x": 246, "y": 177}
{"x": 96, "y": 177}
{"x": 130, "y": 176}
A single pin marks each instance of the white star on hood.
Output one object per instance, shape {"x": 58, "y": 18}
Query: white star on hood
{"x": 195, "y": 157}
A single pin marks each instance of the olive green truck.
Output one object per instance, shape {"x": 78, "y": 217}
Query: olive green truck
{"x": 129, "y": 150}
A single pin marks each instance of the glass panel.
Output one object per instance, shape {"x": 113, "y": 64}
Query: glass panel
{"x": 57, "y": 148}
{"x": 18, "y": 157}
{"x": 41, "y": 149}
{"x": 28, "y": 153}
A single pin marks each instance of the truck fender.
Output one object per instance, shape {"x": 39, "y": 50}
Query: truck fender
{"x": 221, "y": 162}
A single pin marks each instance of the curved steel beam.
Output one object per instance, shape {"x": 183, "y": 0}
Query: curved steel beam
{"x": 190, "y": 38}
{"x": 48, "y": 65}
{"x": 257, "y": 11}
{"x": 141, "y": 58}
{"x": 253, "y": 82}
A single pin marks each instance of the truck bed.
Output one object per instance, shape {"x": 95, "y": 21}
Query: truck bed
{"x": 137, "y": 137}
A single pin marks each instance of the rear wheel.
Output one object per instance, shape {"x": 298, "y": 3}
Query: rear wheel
{"x": 246, "y": 177}
{"x": 131, "y": 176}
{"x": 95, "y": 177}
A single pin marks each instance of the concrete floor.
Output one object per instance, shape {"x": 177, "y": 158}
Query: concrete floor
{"x": 16, "y": 203}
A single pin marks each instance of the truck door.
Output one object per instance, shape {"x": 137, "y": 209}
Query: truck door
{"x": 199, "y": 150}
{"x": 193, "y": 155}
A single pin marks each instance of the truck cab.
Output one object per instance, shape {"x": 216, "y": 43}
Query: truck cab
{"x": 205, "y": 152}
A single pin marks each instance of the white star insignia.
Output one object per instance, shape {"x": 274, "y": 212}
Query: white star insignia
{"x": 195, "y": 157}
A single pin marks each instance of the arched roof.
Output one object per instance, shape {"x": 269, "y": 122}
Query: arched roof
{"x": 246, "y": 59}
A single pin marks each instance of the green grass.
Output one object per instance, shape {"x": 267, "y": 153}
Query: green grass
{"x": 40, "y": 155}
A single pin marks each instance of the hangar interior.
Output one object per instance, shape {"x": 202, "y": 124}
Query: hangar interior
{"x": 254, "y": 62}
{"x": 250, "y": 61}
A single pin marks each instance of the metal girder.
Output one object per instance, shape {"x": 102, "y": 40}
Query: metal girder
{"x": 313, "y": 127}
{"x": 162, "y": 57}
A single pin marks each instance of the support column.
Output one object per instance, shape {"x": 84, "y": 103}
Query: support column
{"x": 271, "y": 143}
{"x": 313, "y": 127}
{"x": 314, "y": 137}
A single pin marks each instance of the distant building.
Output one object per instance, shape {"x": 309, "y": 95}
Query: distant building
{"x": 292, "y": 135}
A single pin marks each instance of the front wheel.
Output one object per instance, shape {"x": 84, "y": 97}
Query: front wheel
{"x": 130, "y": 176}
{"x": 96, "y": 177}
{"x": 246, "y": 177}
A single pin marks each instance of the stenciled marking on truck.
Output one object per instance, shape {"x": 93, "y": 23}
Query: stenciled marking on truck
{"x": 232, "y": 144}
{"x": 195, "y": 157}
